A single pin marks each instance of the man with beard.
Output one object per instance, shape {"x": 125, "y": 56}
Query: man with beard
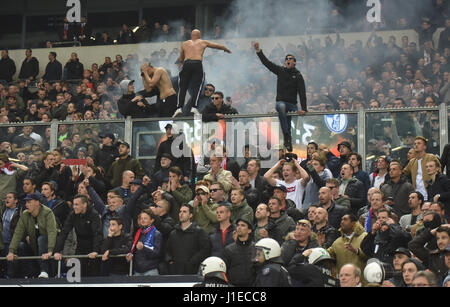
{"x": 125, "y": 162}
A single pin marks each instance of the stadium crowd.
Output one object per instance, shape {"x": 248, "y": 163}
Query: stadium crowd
{"x": 169, "y": 219}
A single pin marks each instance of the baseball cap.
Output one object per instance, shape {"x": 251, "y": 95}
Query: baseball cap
{"x": 280, "y": 187}
{"x": 123, "y": 143}
{"x": 402, "y": 250}
{"x": 107, "y": 135}
{"x": 203, "y": 188}
{"x": 31, "y": 196}
{"x": 168, "y": 126}
{"x": 346, "y": 144}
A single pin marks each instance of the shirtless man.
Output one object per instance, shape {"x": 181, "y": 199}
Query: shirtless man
{"x": 191, "y": 55}
{"x": 158, "y": 77}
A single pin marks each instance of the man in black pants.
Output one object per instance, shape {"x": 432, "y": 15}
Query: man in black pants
{"x": 191, "y": 55}
{"x": 290, "y": 82}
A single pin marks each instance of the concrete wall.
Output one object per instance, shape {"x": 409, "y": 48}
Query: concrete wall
{"x": 96, "y": 54}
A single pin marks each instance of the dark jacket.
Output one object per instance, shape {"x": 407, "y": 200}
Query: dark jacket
{"x": 290, "y": 249}
{"x": 284, "y": 225}
{"x": 238, "y": 258}
{"x": 7, "y": 69}
{"x": 356, "y": 192}
{"x": 382, "y": 244}
{"x": 53, "y": 71}
{"x": 73, "y": 70}
{"x": 148, "y": 259}
{"x": 217, "y": 245}
{"x": 114, "y": 174}
{"x": 290, "y": 82}
{"x": 209, "y": 112}
{"x": 272, "y": 274}
{"x": 335, "y": 214}
{"x": 252, "y": 197}
{"x": 87, "y": 229}
{"x": 400, "y": 192}
{"x": 60, "y": 209}
{"x": 29, "y": 69}
{"x": 186, "y": 249}
{"x": 331, "y": 234}
{"x": 304, "y": 274}
{"x": 434, "y": 260}
{"x": 183, "y": 162}
{"x": 441, "y": 186}
{"x": 119, "y": 245}
{"x": 128, "y": 108}
{"x": 445, "y": 160}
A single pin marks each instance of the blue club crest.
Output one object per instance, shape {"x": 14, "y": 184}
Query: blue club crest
{"x": 336, "y": 122}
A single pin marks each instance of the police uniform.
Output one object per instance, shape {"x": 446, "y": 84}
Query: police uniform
{"x": 272, "y": 274}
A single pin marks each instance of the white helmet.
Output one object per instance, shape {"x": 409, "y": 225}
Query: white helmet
{"x": 213, "y": 266}
{"x": 270, "y": 248}
{"x": 318, "y": 254}
{"x": 377, "y": 271}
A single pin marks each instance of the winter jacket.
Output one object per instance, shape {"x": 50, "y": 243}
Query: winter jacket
{"x": 106, "y": 156}
{"x": 441, "y": 186}
{"x": 215, "y": 239}
{"x": 434, "y": 260}
{"x": 7, "y": 69}
{"x": 60, "y": 209}
{"x": 382, "y": 244}
{"x": 343, "y": 255}
{"x": 186, "y": 249}
{"x": 53, "y": 71}
{"x": 290, "y": 82}
{"x": 331, "y": 234}
{"x": 26, "y": 227}
{"x": 29, "y": 69}
{"x": 411, "y": 169}
{"x": 272, "y": 274}
{"x": 238, "y": 258}
{"x": 291, "y": 248}
{"x": 119, "y": 245}
{"x": 148, "y": 258}
{"x": 223, "y": 176}
{"x": 209, "y": 112}
{"x": 284, "y": 224}
{"x": 114, "y": 174}
{"x": 73, "y": 70}
{"x": 400, "y": 192}
{"x": 252, "y": 197}
{"x": 87, "y": 229}
{"x": 356, "y": 192}
{"x": 335, "y": 214}
{"x": 205, "y": 216}
{"x": 242, "y": 211}
{"x": 182, "y": 195}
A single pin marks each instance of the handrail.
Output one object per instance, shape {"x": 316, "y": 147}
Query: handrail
{"x": 130, "y": 273}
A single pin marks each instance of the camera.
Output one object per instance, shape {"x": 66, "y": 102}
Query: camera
{"x": 290, "y": 156}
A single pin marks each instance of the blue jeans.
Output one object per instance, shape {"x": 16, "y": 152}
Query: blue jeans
{"x": 283, "y": 108}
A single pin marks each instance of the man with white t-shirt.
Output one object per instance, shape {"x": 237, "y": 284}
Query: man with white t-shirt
{"x": 295, "y": 179}
{"x": 416, "y": 166}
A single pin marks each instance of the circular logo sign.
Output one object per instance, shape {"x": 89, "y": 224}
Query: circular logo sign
{"x": 336, "y": 122}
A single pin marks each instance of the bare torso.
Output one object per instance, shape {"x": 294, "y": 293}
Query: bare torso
{"x": 165, "y": 84}
{"x": 194, "y": 49}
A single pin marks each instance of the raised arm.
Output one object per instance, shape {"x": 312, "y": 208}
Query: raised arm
{"x": 271, "y": 66}
{"x": 268, "y": 175}
{"x": 217, "y": 46}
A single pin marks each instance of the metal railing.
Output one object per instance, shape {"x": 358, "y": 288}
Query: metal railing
{"x": 58, "y": 275}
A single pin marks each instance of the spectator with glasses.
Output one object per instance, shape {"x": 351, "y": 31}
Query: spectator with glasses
{"x": 216, "y": 110}
{"x": 217, "y": 194}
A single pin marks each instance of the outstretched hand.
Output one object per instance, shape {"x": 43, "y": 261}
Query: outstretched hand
{"x": 256, "y": 46}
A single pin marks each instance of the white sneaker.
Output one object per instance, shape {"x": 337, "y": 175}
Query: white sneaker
{"x": 195, "y": 111}
{"x": 177, "y": 112}
{"x": 43, "y": 275}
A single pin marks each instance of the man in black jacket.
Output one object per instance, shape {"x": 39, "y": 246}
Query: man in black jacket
{"x": 217, "y": 109}
{"x": 384, "y": 238}
{"x": 188, "y": 244}
{"x": 223, "y": 235}
{"x": 352, "y": 188}
{"x": 107, "y": 153}
{"x": 438, "y": 187}
{"x": 117, "y": 243}
{"x": 30, "y": 67}
{"x": 335, "y": 212}
{"x": 53, "y": 70}
{"x": 134, "y": 105}
{"x": 86, "y": 222}
{"x": 290, "y": 82}
{"x": 73, "y": 70}
{"x": 239, "y": 255}
{"x": 7, "y": 67}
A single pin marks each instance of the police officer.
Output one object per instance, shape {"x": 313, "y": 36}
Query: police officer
{"x": 213, "y": 269}
{"x": 271, "y": 271}
{"x": 314, "y": 268}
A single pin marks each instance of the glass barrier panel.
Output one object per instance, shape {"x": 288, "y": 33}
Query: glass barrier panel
{"x": 392, "y": 134}
{"x": 25, "y": 144}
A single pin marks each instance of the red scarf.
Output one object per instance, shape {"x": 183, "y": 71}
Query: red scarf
{"x": 8, "y": 170}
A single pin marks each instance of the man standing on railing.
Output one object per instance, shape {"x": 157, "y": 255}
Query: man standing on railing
{"x": 192, "y": 75}
{"x": 290, "y": 82}
{"x": 38, "y": 224}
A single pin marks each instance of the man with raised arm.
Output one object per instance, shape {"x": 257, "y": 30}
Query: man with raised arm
{"x": 290, "y": 83}
{"x": 191, "y": 55}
